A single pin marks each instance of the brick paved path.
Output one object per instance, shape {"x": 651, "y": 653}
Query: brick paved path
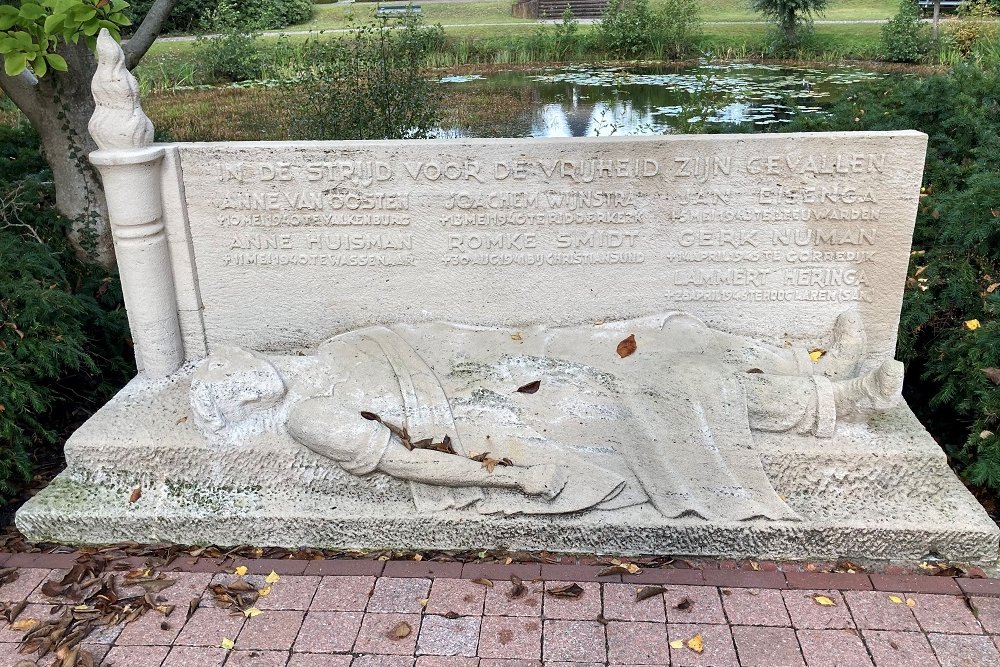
{"x": 351, "y": 613}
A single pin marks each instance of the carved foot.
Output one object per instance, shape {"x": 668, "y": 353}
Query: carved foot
{"x": 878, "y": 391}
{"x": 544, "y": 480}
{"x": 848, "y": 344}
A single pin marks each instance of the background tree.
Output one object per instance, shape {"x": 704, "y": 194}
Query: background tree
{"x": 789, "y": 15}
{"x": 47, "y": 48}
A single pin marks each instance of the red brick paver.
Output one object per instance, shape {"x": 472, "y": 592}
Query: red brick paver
{"x": 474, "y": 616}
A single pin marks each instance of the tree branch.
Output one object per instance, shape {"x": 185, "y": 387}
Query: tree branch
{"x": 137, "y": 45}
{"x": 23, "y": 92}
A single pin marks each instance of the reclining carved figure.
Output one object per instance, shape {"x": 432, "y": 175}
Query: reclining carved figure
{"x": 682, "y": 409}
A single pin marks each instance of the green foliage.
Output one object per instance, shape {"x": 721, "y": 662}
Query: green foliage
{"x": 790, "y": 16}
{"x": 63, "y": 331}
{"x": 955, "y": 268}
{"x": 678, "y": 27}
{"x": 560, "y": 40}
{"x": 630, "y": 28}
{"x": 193, "y": 15}
{"x": 31, "y": 32}
{"x": 977, "y": 24}
{"x": 905, "y": 39}
{"x": 372, "y": 84}
{"x": 626, "y": 29}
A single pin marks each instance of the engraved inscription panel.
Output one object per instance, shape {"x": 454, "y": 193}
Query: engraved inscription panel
{"x": 766, "y": 235}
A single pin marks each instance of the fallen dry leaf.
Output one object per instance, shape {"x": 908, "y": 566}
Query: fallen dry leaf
{"x": 824, "y": 601}
{"x": 517, "y": 587}
{"x": 895, "y": 599}
{"x": 684, "y": 604}
{"x": 911, "y": 603}
{"x": 647, "y": 592}
{"x": 136, "y": 494}
{"x": 972, "y": 325}
{"x": 251, "y": 612}
{"x": 241, "y": 571}
{"x": 228, "y": 644}
{"x": 272, "y": 578}
{"x": 817, "y": 354}
{"x": 677, "y": 643}
{"x": 529, "y": 388}
{"x": 696, "y": 643}
{"x": 993, "y": 374}
{"x": 627, "y": 347}
{"x": 264, "y": 592}
{"x": 568, "y": 591}
{"x": 401, "y": 631}
{"x": 483, "y": 582}
{"x": 24, "y": 624}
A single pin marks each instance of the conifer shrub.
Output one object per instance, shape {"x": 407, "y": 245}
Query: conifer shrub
{"x": 949, "y": 333}
{"x": 64, "y": 346}
{"x": 905, "y": 38}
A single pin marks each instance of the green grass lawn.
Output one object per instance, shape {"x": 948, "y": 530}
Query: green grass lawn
{"x": 327, "y": 17}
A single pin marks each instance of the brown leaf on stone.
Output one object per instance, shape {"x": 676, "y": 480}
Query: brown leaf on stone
{"x": 993, "y": 374}
{"x": 401, "y": 631}
{"x": 164, "y": 625}
{"x": 241, "y": 586}
{"x": 192, "y": 607}
{"x": 52, "y": 588}
{"x": 647, "y": 592}
{"x": 12, "y": 613}
{"x": 371, "y": 416}
{"x": 483, "y": 582}
{"x": 684, "y": 604}
{"x": 613, "y": 570}
{"x": 627, "y": 347}
{"x": 157, "y": 585}
{"x": 951, "y": 571}
{"x": 136, "y": 494}
{"x": 8, "y": 575}
{"x": 755, "y": 370}
{"x": 529, "y": 388}
{"x": 568, "y": 591}
{"x": 451, "y": 615}
{"x": 517, "y": 587}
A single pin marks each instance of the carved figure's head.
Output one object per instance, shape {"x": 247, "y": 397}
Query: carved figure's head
{"x": 232, "y": 387}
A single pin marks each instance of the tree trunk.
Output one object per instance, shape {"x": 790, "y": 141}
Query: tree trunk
{"x": 937, "y": 18}
{"x": 59, "y": 106}
{"x": 66, "y": 105}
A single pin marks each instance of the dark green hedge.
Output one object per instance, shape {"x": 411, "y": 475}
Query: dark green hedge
{"x": 949, "y": 335}
{"x": 64, "y": 346}
{"x": 192, "y": 15}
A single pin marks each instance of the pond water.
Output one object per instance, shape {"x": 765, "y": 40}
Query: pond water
{"x": 595, "y": 100}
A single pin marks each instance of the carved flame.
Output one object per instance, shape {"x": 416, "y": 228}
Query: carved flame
{"x": 118, "y": 121}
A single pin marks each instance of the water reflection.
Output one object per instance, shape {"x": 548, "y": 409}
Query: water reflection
{"x": 604, "y": 100}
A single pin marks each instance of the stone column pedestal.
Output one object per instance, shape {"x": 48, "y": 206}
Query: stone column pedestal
{"x": 132, "y": 186}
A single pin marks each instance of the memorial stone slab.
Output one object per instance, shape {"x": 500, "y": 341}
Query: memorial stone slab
{"x": 630, "y": 345}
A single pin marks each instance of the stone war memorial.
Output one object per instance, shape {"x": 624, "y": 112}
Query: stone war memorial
{"x": 670, "y": 345}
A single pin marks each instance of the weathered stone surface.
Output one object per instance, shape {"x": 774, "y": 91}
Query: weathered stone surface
{"x": 667, "y": 344}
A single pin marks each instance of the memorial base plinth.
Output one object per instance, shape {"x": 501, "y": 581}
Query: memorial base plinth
{"x": 879, "y": 491}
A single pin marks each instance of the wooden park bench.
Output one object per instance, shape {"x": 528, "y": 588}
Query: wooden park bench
{"x": 397, "y": 10}
{"x": 927, "y": 6}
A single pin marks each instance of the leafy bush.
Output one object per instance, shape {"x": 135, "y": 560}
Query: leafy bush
{"x": 63, "y": 331}
{"x": 560, "y": 40}
{"x": 626, "y": 29}
{"x": 234, "y": 55}
{"x": 193, "y": 15}
{"x": 371, "y": 84}
{"x": 905, "y": 39}
{"x": 950, "y": 329}
{"x": 977, "y": 23}
{"x": 677, "y": 27}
